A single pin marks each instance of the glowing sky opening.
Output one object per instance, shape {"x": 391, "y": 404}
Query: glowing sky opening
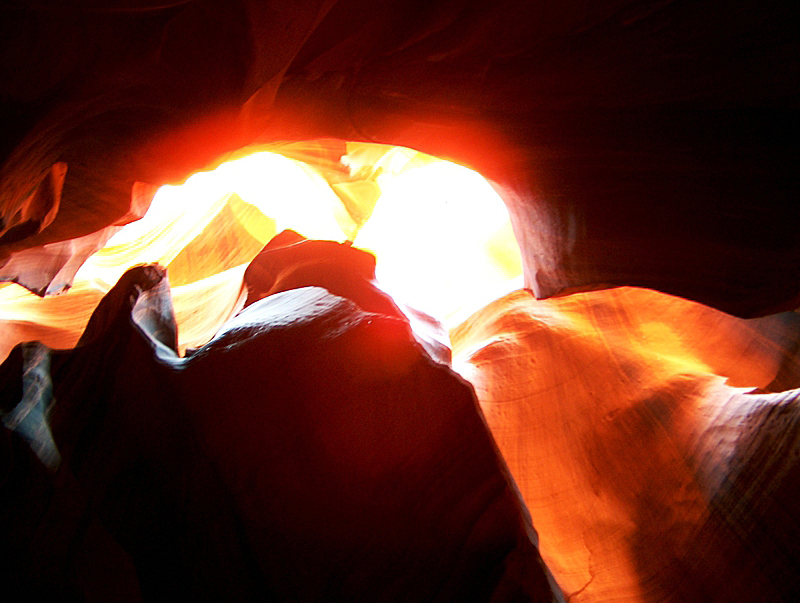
{"x": 441, "y": 235}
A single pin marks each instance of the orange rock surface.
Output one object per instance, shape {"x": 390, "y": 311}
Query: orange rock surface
{"x": 634, "y": 455}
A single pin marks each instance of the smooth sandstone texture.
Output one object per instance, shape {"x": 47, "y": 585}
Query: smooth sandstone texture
{"x": 310, "y": 452}
{"x": 648, "y": 477}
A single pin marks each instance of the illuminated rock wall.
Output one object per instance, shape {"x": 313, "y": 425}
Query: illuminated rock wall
{"x": 647, "y": 475}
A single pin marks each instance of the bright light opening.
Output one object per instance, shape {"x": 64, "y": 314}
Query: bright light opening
{"x": 441, "y": 235}
{"x": 442, "y": 238}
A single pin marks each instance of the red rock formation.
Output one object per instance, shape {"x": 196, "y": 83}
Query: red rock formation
{"x": 635, "y": 143}
{"x": 648, "y": 477}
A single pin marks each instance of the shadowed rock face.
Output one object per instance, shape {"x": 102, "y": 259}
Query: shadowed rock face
{"x": 290, "y": 261}
{"x": 310, "y": 452}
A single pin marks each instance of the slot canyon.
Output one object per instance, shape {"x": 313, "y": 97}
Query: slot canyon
{"x": 497, "y": 303}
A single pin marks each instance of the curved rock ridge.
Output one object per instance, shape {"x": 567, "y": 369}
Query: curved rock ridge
{"x": 310, "y": 452}
{"x": 649, "y": 476}
{"x": 290, "y": 261}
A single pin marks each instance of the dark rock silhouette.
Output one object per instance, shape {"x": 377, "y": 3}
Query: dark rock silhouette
{"x": 310, "y": 452}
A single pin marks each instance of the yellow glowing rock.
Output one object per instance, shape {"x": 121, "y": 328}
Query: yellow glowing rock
{"x": 441, "y": 235}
